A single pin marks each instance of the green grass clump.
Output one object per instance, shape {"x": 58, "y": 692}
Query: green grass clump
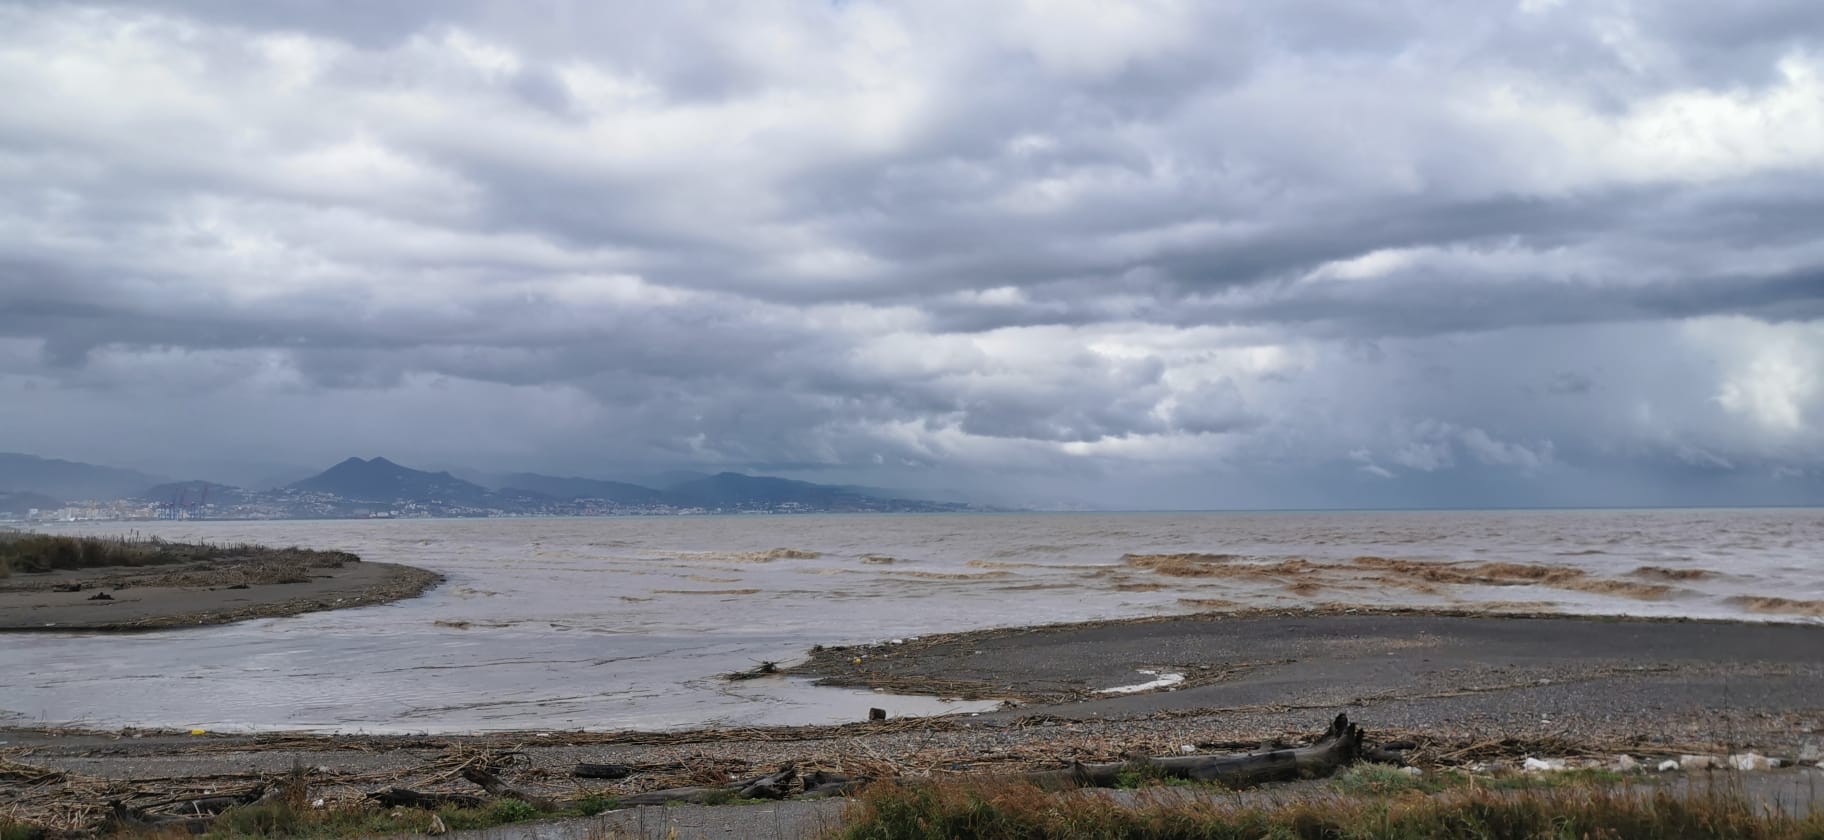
{"x": 593, "y": 804}
{"x": 1020, "y": 811}
{"x": 10, "y": 830}
{"x": 285, "y": 819}
{"x": 1137, "y": 776}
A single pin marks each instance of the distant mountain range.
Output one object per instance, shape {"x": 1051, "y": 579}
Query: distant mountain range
{"x": 570, "y": 489}
{"x": 380, "y": 480}
{"x": 69, "y": 479}
{"x": 379, "y": 487}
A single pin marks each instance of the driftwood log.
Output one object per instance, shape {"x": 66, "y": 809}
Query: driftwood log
{"x": 493, "y": 785}
{"x": 1339, "y": 746}
{"x": 776, "y": 785}
{"x": 821, "y": 785}
{"x": 585, "y": 770}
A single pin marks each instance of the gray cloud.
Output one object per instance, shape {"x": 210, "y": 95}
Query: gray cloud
{"x": 1337, "y": 252}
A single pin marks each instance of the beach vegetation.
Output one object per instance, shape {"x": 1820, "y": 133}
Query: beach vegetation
{"x": 285, "y": 819}
{"x": 10, "y": 830}
{"x": 22, "y": 553}
{"x": 1587, "y": 809}
{"x": 1146, "y": 775}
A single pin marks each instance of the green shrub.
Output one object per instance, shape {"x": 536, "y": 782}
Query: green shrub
{"x": 512, "y": 811}
{"x": 594, "y": 804}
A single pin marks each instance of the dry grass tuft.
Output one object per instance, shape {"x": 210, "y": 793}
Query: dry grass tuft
{"x": 1004, "y": 809}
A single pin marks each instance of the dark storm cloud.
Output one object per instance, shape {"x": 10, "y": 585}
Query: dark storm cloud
{"x": 1080, "y": 242}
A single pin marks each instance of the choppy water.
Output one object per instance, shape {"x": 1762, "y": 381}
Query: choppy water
{"x": 624, "y": 622}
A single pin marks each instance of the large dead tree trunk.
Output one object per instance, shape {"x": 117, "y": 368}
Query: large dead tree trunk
{"x": 1339, "y": 746}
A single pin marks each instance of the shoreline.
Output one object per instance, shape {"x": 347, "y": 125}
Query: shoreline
{"x": 1465, "y": 691}
{"x": 1084, "y": 670}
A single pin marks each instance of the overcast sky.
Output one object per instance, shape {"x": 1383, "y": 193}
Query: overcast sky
{"x": 1150, "y": 254}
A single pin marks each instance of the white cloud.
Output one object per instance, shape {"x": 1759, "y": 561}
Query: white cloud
{"x": 1090, "y": 242}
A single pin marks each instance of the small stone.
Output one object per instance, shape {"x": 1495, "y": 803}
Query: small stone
{"x": 1750, "y": 761}
{"x": 1668, "y": 765}
{"x": 1625, "y": 764}
{"x": 1698, "y": 762}
{"x": 1543, "y": 764}
{"x": 1187, "y": 749}
{"x": 1812, "y": 752}
{"x": 1412, "y": 771}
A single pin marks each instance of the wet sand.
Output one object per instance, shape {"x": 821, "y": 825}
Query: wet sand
{"x": 1592, "y": 679}
{"x": 198, "y": 593}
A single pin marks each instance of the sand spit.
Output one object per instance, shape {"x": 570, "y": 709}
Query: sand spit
{"x": 1594, "y": 676}
{"x": 214, "y": 592}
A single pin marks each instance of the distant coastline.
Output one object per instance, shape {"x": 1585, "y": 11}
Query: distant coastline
{"x": 39, "y": 490}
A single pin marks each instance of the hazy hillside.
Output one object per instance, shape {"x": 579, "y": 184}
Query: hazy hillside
{"x": 380, "y": 480}
{"x": 569, "y": 488}
{"x": 69, "y": 480}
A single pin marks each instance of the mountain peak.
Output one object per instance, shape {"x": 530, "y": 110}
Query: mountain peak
{"x": 380, "y": 480}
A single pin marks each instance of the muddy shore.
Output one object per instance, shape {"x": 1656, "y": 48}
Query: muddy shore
{"x": 202, "y": 592}
{"x": 1464, "y": 689}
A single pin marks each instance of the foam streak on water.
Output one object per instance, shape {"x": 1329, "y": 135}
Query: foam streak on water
{"x": 625, "y": 622}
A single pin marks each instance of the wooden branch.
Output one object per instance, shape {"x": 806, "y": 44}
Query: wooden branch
{"x": 492, "y": 784}
{"x": 197, "y": 806}
{"x": 821, "y": 785}
{"x": 397, "y": 797}
{"x": 1340, "y": 745}
{"x": 771, "y": 786}
{"x": 124, "y": 820}
{"x": 585, "y": 770}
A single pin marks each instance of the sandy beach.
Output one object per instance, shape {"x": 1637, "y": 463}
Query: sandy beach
{"x": 204, "y": 592}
